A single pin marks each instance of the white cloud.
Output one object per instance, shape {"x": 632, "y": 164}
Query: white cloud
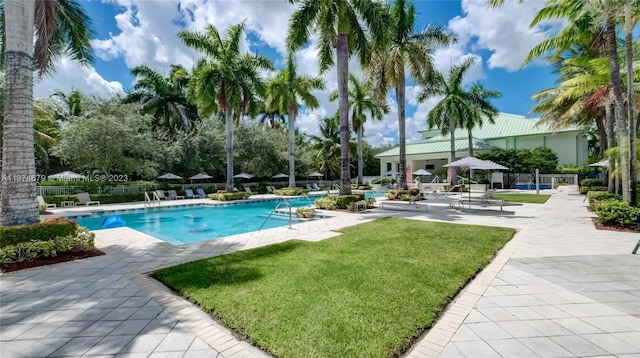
{"x": 504, "y": 30}
{"x": 70, "y": 76}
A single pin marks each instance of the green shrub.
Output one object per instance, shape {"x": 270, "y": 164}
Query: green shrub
{"x": 80, "y": 241}
{"x": 364, "y": 187}
{"x": 586, "y": 189}
{"x": 305, "y": 213}
{"x": 102, "y": 198}
{"x": 595, "y": 196}
{"x": 42, "y": 208}
{"x": 225, "y": 196}
{"x": 42, "y": 231}
{"x": 344, "y": 200}
{"x": 383, "y": 180}
{"x": 328, "y": 203}
{"x": 290, "y": 191}
{"x": 402, "y": 194}
{"x": 591, "y": 182}
{"x": 617, "y": 213}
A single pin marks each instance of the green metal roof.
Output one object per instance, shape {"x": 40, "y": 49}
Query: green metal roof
{"x": 436, "y": 146}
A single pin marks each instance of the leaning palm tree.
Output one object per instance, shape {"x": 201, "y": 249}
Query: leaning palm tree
{"x": 226, "y": 80}
{"x": 361, "y": 101}
{"x": 61, "y": 29}
{"x": 453, "y": 107}
{"x": 164, "y": 98}
{"x": 285, "y": 92}
{"x": 405, "y": 51}
{"x": 340, "y": 24}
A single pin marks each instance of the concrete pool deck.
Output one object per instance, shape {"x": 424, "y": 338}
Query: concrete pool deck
{"x": 559, "y": 288}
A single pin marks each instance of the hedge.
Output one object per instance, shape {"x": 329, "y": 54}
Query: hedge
{"x": 586, "y": 189}
{"x": 42, "y": 231}
{"x": 402, "y": 194}
{"x": 102, "y": 198}
{"x": 595, "y": 196}
{"x": 328, "y": 203}
{"x": 225, "y": 196}
{"x": 591, "y": 182}
{"x": 617, "y": 213}
{"x": 290, "y": 191}
{"x": 79, "y": 241}
{"x": 343, "y": 201}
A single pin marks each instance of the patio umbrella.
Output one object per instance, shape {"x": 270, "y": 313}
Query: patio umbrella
{"x": 280, "y": 176}
{"x": 66, "y": 175}
{"x": 475, "y": 163}
{"x": 243, "y": 175}
{"x": 601, "y": 164}
{"x": 421, "y": 172}
{"x": 169, "y": 176}
{"x": 316, "y": 175}
{"x": 393, "y": 172}
{"x": 201, "y": 176}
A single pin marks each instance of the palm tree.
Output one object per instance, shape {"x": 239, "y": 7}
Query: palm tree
{"x": 362, "y": 101}
{"x": 479, "y": 97}
{"x": 61, "y": 29}
{"x": 285, "y": 92}
{"x": 164, "y": 98}
{"x": 328, "y": 146}
{"x": 72, "y": 102}
{"x": 341, "y": 25}
{"x": 405, "y": 50}
{"x": 453, "y": 108}
{"x": 45, "y": 129}
{"x": 225, "y": 80}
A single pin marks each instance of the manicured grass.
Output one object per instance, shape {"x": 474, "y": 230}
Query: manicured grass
{"x": 524, "y": 198}
{"x": 366, "y": 293}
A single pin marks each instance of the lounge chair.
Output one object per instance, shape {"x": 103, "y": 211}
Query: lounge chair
{"x": 270, "y": 189}
{"x": 189, "y": 194}
{"x": 315, "y": 187}
{"x": 42, "y": 202}
{"x": 159, "y": 194}
{"x": 248, "y": 190}
{"x": 85, "y": 199}
{"x": 200, "y": 193}
{"x": 173, "y": 195}
{"x": 309, "y": 187}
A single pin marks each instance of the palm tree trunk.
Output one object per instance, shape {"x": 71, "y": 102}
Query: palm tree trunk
{"x": 608, "y": 115}
{"x": 360, "y": 159}
{"x": 470, "y": 138}
{"x": 633, "y": 155}
{"x": 292, "y": 147}
{"x": 452, "y": 154}
{"x": 342, "y": 59}
{"x": 228, "y": 145}
{"x": 621, "y": 126}
{"x": 602, "y": 135}
{"x": 402, "y": 137}
{"x": 19, "y": 204}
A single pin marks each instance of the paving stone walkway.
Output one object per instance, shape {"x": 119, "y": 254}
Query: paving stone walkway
{"x": 559, "y": 288}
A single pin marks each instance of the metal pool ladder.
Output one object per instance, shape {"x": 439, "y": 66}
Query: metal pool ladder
{"x": 286, "y": 203}
{"x": 150, "y": 200}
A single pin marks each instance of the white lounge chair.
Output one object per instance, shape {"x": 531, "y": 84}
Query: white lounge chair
{"x": 85, "y": 199}
{"x": 173, "y": 195}
{"x": 160, "y": 194}
{"x": 42, "y": 202}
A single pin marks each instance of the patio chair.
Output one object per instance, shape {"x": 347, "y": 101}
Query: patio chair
{"x": 173, "y": 195}
{"x": 159, "y": 194}
{"x": 189, "y": 194}
{"x": 248, "y": 190}
{"x": 309, "y": 187}
{"x": 315, "y": 186}
{"x": 85, "y": 199}
{"x": 270, "y": 189}
{"x": 42, "y": 202}
{"x": 200, "y": 193}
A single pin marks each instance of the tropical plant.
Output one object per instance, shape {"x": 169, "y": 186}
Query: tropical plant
{"x": 73, "y": 103}
{"x": 404, "y": 50}
{"x": 226, "y": 80}
{"x": 361, "y": 101}
{"x": 455, "y": 105}
{"x": 340, "y": 24}
{"x": 61, "y": 29}
{"x": 327, "y": 144}
{"x": 164, "y": 98}
{"x": 285, "y": 92}
{"x": 479, "y": 97}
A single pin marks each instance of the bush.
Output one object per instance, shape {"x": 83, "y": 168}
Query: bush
{"x": 343, "y": 201}
{"x": 595, "y": 196}
{"x": 364, "y": 187}
{"x": 617, "y": 213}
{"x": 305, "y": 213}
{"x": 402, "y": 194}
{"x": 328, "y": 203}
{"x": 80, "y": 241}
{"x": 586, "y": 189}
{"x": 591, "y": 182}
{"x": 102, "y": 198}
{"x": 225, "y": 196}
{"x": 42, "y": 231}
{"x": 290, "y": 191}
{"x": 383, "y": 180}
{"x": 42, "y": 208}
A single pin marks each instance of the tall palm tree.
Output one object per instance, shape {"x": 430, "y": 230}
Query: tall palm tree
{"x": 164, "y": 98}
{"x": 455, "y": 105}
{"x": 61, "y": 29}
{"x": 479, "y": 97}
{"x": 407, "y": 50}
{"x": 328, "y": 146}
{"x": 285, "y": 92}
{"x": 72, "y": 102}
{"x": 226, "y": 80}
{"x": 340, "y": 24}
{"x": 361, "y": 101}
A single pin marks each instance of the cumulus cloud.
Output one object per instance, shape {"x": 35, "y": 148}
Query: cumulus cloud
{"x": 70, "y": 75}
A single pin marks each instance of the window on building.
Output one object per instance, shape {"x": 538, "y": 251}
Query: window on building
{"x": 430, "y": 166}
{"x": 388, "y": 166}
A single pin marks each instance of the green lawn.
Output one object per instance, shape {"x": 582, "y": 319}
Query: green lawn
{"x": 523, "y": 198}
{"x": 365, "y": 293}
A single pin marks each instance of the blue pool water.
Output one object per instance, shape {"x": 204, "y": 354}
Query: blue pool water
{"x": 187, "y": 225}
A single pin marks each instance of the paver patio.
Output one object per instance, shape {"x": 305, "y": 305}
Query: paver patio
{"x": 559, "y": 288}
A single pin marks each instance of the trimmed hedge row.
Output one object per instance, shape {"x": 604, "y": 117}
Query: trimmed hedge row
{"x": 102, "y": 198}
{"x": 404, "y": 195}
{"x": 80, "y": 241}
{"x": 617, "y": 213}
{"x": 43, "y": 231}
{"x": 290, "y": 191}
{"x": 591, "y": 182}
{"x": 595, "y": 196}
{"x": 225, "y": 196}
{"x": 328, "y": 203}
{"x": 586, "y": 189}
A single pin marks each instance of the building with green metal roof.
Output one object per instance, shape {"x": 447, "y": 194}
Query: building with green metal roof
{"x": 508, "y": 132}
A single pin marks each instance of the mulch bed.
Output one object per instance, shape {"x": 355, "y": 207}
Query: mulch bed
{"x": 64, "y": 257}
{"x": 600, "y": 226}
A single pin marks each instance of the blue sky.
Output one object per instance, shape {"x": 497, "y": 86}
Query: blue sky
{"x": 134, "y": 32}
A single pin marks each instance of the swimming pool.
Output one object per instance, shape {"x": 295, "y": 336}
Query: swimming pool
{"x": 186, "y": 225}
